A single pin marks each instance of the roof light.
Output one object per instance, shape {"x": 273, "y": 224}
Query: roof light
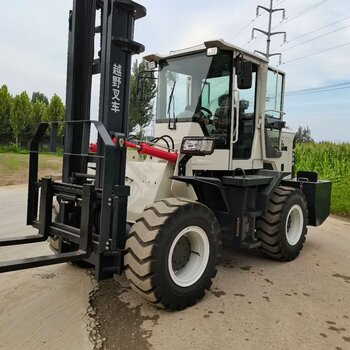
{"x": 212, "y": 51}
{"x": 151, "y": 65}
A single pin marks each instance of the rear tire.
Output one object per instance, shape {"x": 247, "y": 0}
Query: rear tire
{"x": 282, "y": 231}
{"x": 172, "y": 252}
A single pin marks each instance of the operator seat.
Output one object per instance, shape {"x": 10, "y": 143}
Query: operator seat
{"x": 243, "y": 147}
{"x": 223, "y": 121}
{"x": 223, "y": 112}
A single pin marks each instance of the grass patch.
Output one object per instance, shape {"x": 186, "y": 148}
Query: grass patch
{"x": 332, "y": 162}
{"x": 19, "y": 150}
{"x": 14, "y": 167}
{"x": 13, "y": 149}
{"x": 12, "y": 163}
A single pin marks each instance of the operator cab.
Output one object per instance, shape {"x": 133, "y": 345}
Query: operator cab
{"x": 215, "y": 90}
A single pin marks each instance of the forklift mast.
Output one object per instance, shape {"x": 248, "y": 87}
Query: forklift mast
{"x": 87, "y": 201}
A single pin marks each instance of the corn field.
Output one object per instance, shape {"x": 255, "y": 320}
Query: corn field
{"x": 332, "y": 162}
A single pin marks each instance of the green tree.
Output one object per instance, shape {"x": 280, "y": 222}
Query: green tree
{"x": 6, "y": 101}
{"x": 141, "y": 111}
{"x": 21, "y": 114}
{"x": 55, "y": 110}
{"x": 303, "y": 135}
{"x": 37, "y": 95}
{"x": 37, "y": 116}
{"x": 39, "y": 112}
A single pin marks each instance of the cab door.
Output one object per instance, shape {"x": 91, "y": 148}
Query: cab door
{"x": 244, "y": 122}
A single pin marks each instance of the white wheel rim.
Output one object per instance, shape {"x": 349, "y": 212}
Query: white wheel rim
{"x": 198, "y": 258}
{"x": 294, "y": 224}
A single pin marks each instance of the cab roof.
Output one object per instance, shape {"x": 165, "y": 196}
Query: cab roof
{"x": 219, "y": 43}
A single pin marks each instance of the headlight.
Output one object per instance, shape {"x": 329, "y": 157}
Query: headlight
{"x": 197, "y": 146}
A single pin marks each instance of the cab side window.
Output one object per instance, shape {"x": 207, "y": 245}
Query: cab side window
{"x": 242, "y": 149}
{"x": 273, "y": 109}
{"x": 216, "y": 99}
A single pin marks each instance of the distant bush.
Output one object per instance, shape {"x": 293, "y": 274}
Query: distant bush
{"x": 20, "y": 150}
{"x": 13, "y": 149}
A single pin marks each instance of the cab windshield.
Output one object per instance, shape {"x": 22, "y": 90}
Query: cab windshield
{"x": 197, "y": 88}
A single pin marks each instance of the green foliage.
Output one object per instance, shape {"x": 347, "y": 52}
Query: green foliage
{"x": 141, "y": 112}
{"x": 38, "y": 96}
{"x": 332, "y": 162}
{"x": 303, "y": 135}
{"x": 6, "y": 101}
{"x": 55, "y": 110}
{"x": 39, "y": 112}
{"x": 13, "y": 149}
{"x": 21, "y": 114}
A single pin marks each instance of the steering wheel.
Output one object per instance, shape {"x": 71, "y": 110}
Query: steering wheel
{"x": 208, "y": 111}
{"x": 201, "y": 117}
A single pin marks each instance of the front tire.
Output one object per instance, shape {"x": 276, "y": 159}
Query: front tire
{"x": 172, "y": 252}
{"x": 282, "y": 231}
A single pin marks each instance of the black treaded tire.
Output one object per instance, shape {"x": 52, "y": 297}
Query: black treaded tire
{"x": 149, "y": 244}
{"x": 271, "y": 228}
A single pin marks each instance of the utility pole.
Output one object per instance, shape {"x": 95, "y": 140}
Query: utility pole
{"x": 269, "y": 32}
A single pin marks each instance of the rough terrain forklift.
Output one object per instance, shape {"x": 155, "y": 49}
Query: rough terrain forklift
{"x": 221, "y": 164}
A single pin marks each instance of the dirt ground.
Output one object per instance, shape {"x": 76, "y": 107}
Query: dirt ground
{"x": 254, "y": 303}
{"x": 43, "y": 308}
{"x": 14, "y": 167}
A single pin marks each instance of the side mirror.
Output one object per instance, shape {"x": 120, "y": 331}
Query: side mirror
{"x": 244, "y": 71}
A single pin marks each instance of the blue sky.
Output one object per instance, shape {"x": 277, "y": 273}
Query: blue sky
{"x": 33, "y": 46}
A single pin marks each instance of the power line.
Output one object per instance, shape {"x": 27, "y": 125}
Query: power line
{"x": 301, "y": 13}
{"x": 315, "y": 38}
{"x": 257, "y": 16}
{"x": 315, "y": 53}
{"x": 311, "y": 32}
{"x": 317, "y": 92}
{"x": 318, "y": 89}
{"x": 316, "y": 30}
{"x": 246, "y": 26}
{"x": 270, "y": 10}
{"x": 308, "y": 9}
{"x": 250, "y": 42}
{"x": 290, "y": 18}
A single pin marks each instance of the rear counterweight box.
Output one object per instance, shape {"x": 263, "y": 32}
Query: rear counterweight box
{"x": 318, "y": 197}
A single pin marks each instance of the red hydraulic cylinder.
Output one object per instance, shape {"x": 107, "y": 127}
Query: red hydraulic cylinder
{"x": 143, "y": 148}
{"x": 130, "y": 145}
